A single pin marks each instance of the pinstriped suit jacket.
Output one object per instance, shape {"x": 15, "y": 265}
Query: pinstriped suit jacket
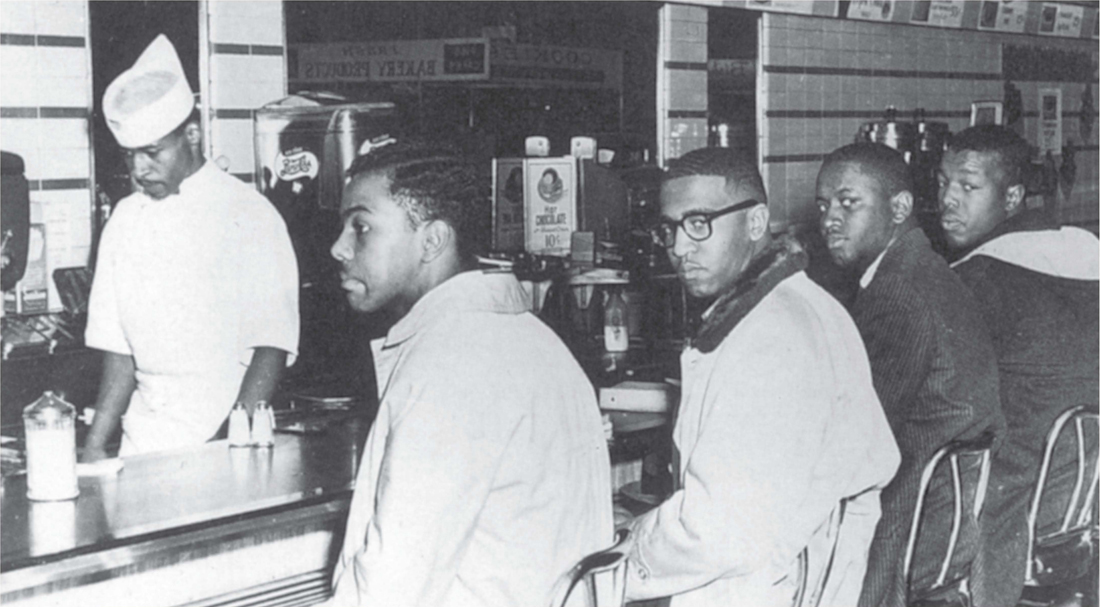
{"x": 935, "y": 371}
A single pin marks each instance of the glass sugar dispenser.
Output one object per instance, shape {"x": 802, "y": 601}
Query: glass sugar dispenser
{"x": 49, "y": 424}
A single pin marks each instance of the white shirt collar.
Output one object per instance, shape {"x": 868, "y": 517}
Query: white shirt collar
{"x": 193, "y": 183}
{"x": 869, "y": 273}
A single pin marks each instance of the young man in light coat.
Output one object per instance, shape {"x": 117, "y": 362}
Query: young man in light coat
{"x": 485, "y": 475}
{"x": 782, "y": 443}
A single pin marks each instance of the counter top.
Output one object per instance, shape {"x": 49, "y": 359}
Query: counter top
{"x": 162, "y": 492}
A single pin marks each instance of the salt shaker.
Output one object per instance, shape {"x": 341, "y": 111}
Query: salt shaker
{"x": 238, "y": 426}
{"x": 263, "y": 425}
{"x": 49, "y": 425}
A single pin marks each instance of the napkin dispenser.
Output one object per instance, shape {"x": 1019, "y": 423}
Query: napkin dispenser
{"x": 637, "y": 396}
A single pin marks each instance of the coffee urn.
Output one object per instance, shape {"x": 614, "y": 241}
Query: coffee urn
{"x": 922, "y": 142}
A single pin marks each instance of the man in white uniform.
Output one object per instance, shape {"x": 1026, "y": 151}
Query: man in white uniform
{"x": 195, "y": 297}
{"x": 486, "y": 474}
{"x": 783, "y": 445}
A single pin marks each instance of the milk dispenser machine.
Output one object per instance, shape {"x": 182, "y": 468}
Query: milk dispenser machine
{"x": 304, "y": 147}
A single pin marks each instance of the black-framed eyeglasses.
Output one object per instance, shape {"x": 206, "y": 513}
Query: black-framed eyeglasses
{"x": 696, "y": 225}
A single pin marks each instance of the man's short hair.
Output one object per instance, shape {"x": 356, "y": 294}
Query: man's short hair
{"x": 881, "y": 162}
{"x": 1009, "y": 150}
{"x": 739, "y": 169}
{"x": 432, "y": 181}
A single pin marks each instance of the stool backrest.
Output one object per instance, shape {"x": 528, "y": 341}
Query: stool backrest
{"x": 1078, "y": 514}
{"x": 813, "y": 577}
{"x": 602, "y": 575}
{"x": 978, "y": 448}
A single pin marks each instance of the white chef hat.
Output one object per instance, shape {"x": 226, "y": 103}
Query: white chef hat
{"x": 149, "y": 100}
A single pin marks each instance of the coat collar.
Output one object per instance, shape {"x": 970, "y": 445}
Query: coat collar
{"x": 1031, "y": 220}
{"x": 903, "y": 248}
{"x": 781, "y": 260}
{"x": 473, "y": 291}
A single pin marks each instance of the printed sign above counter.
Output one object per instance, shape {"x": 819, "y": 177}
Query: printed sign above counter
{"x": 445, "y": 59}
{"x": 456, "y": 59}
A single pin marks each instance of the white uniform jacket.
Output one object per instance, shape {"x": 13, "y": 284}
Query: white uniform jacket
{"x": 189, "y": 285}
{"x": 485, "y": 475}
{"x": 776, "y": 426}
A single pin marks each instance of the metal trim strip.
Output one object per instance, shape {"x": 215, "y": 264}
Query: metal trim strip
{"x": 122, "y": 559}
{"x": 43, "y": 112}
{"x": 695, "y": 66}
{"x": 314, "y": 584}
{"x": 17, "y": 39}
{"x": 224, "y": 48}
{"x": 18, "y": 112}
{"x": 806, "y": 70}
{"x": 67, "y": 41}
{"x": 869, "y": 115}
{"x": 267, "y": 49}
{"x": 62, "y": 112}
{"x": 687, "y": 114}
{"x": 238, "y": 114}
{"x": 36, "y": 185}
{"x": 230, "y": 49}
{"x": 33, "y": 40}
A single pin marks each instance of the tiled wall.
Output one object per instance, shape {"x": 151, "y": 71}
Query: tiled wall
{"x": 45, "y": 104}
{"x": 245, "y": 68}
{"x": 681, "y": 80}
{"x": 822, "y": 78}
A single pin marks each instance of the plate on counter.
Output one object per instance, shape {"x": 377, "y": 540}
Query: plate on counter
{"x": 623, "y": 422}
{"x": 634, "y": 491}
{"x": 323, "y": 402}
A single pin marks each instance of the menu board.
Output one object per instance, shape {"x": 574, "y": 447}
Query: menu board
{"x": 1061, "y": 20}
{"x": 1050, "y": 120}
{"x": 871, "y": 10}
{"x": 551, "y": 204}
{"x": 1003, "y": 16}
{"x": 941, "y": 13}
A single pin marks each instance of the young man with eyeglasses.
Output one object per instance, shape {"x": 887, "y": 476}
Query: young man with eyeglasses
{"x": 783, "y": 446}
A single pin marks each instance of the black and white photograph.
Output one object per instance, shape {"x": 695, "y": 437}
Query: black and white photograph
{"x": 549, "y": 303}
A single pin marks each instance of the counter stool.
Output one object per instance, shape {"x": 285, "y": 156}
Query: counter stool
{"x": 1063, "y": 556}
{"x": 603, "y": 575}
{"x": 813, "y": 577}
{"x": 950, "y": 587}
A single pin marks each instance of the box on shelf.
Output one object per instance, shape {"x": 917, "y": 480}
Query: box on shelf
{"x": 538, "y": 203}
{"x": 508, "y": 204}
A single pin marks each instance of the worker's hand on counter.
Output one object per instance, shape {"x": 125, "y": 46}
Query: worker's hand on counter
{"x": 92, "y": 454}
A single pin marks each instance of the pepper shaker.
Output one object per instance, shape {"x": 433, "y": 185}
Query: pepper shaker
{"x": 263, "y": 425}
